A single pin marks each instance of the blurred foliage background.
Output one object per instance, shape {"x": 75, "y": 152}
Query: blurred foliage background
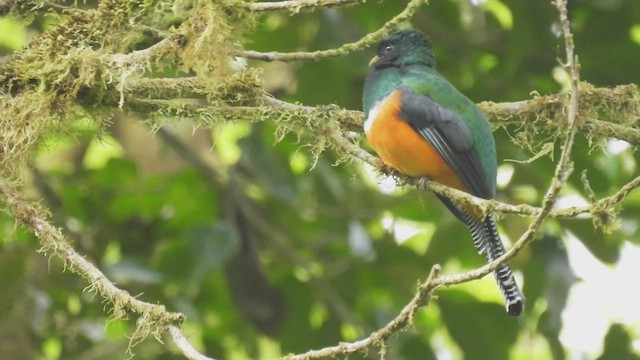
{"x": 268, "y": 253}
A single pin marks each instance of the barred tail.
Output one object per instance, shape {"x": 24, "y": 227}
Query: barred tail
{"x": 487, "y": 241}
{"x": 507, "y": 283}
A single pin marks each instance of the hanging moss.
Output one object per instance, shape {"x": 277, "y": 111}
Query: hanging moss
{"x": 538, "y": 123}
{"x": 91, "y": 56}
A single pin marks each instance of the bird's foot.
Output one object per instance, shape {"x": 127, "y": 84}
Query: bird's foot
{"x": 388, "y": 170}
{"x": 422, "y": 183}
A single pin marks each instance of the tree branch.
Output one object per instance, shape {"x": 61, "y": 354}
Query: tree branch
{"x": 365, "y": 42}
{"x": 542, "y": 113}
{"x": 154, "y": 319}
{"x": 619, "y": 121}
{"x": 300, "y": 115}
{"x": 486, "y": 206}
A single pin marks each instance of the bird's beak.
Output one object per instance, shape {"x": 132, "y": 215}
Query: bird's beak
{"x": 373, "y": 60}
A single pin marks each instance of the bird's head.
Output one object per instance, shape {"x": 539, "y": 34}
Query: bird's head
{"x": 403, "y": 48}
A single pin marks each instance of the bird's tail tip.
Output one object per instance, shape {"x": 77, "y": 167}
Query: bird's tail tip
{"x": 515, "y": 306}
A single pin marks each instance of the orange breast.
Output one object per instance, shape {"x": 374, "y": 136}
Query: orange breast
{"x": 402, "y": 148}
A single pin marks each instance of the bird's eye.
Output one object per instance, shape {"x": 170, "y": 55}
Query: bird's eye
{"x": 388, "y": 49}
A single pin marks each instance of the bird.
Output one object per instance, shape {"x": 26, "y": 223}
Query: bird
{"x": 423, "y": 127}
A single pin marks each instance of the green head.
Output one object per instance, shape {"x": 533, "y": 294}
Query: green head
{"x": 403, "y": 48}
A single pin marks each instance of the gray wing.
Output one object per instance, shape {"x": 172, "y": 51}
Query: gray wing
{"x": 447, "y": 132}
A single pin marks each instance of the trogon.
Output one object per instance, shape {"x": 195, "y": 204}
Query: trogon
{"x": 422, "y": 126}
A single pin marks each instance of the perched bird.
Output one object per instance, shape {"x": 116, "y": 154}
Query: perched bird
{"x": 422, "y": 126}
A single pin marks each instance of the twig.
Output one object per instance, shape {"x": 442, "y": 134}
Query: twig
{"x": 547, "y": 111}
{"x": 296, "y": 5}
{"x": 377, "y": 338}
{"x": 488, "y": 205}
{"x": 52, "y": 239}
{"x": 347, "y": 117}
{"x": 48, "y": 5}
{"x": 345, "y": 49}
{"x": 355, "y": 150}
{"x": 159, "y": 319}
{"x": 605, "y": 129}
{"x": 141, "y": 56}
{"x": 622, "y": 194}
{"x": 128, "y": 64}
{"x": 184, "y": 345}
{"x": 65, "y": 9}
{"x": 466, "y": 198}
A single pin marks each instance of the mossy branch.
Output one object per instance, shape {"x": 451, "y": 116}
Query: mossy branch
{"x": 365, "y": 42}
{"x": 294, "y": 6}
{"x": 605, "y": 112}
{"x": 328, "y": 123}
{"x": 155, "y": 319}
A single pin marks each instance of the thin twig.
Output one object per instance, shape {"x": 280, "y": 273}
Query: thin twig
{"x": 343, "y": 50}
{"x": 184, "y": 345}
{"x": 48, "y": 5}
{"x": 621, "y": 194}
{"x": 296, "y": 5}
{"x": 354, "y": 150}
{"x": 141, "y": 56}
{"x": 378, "y": 337}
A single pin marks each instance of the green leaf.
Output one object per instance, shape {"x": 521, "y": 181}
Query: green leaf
{"x": 213, "y": 246}
{"x": 268, "y": 166}
{"x": 482, "y": 330}
{"x": 417, "y": 348}
{"x": 605, "y": 247}
{"x": 130, "y": 270}
{"x": 549, "y": 277}
{"x": 617, "y": 345}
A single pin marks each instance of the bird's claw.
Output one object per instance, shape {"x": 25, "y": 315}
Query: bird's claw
{"x": 422, "y": 183}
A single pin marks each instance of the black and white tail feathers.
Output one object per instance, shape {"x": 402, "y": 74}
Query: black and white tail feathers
{"x": 487, "y": 241}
